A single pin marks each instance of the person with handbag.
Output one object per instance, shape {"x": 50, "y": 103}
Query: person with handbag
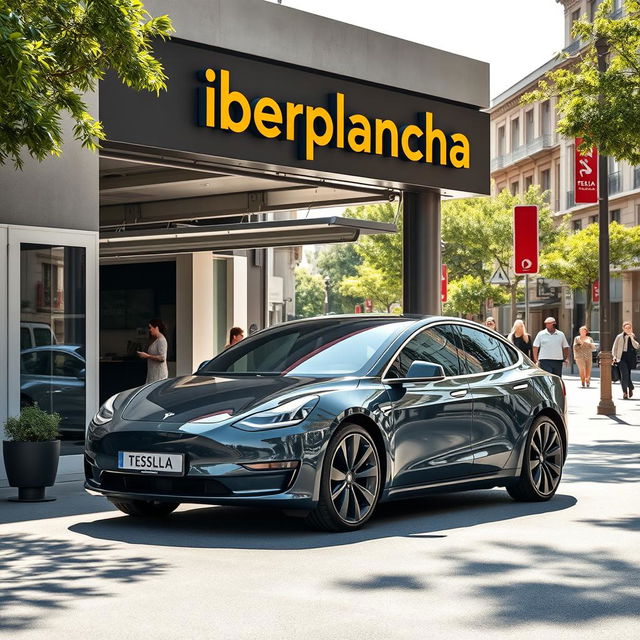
{"x": 624, "y": 355}
{"x": 583, "y": 348}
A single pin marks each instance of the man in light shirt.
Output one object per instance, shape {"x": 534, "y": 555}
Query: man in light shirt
{"x": 550, "y": 348}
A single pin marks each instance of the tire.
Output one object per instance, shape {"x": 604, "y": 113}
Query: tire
{"x": 144, "y": 509}
{"x": 541, "y": 464}
{"x": 350, "y": 483}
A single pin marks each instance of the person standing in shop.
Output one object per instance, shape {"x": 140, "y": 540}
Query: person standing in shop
{"x": 156, "y": 353}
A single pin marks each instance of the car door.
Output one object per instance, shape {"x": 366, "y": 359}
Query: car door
{"x": 67, "y": 389}
{"x": 500, "y": 394}
{"x": 432, "y": 420}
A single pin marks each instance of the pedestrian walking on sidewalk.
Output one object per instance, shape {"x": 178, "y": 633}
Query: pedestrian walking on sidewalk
{"x": 490, "y": 323}
{"x": 521, "y": 339}
{"x": 583, "y": 348}
{"x": 550, "y": 348}
{"x": 624, "y": 355}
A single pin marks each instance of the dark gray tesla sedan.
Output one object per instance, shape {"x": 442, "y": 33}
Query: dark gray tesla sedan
{"x": 331, "y": 416}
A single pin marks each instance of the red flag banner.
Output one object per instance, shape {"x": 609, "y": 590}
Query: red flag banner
{"x": 595, "y": 291}
{"x": 444, "y": 283}
{"x": 525, "y": 239}
{"x": 586, "y": 175}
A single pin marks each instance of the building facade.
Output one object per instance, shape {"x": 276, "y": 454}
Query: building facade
{"x": 186, "y": 216}
{"x": 526, "y": 150}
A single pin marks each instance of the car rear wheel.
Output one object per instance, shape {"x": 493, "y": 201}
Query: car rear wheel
{"x": 145, "y": 509}
{"x": 542, "y": 463}
{"x": 350, "y": 482}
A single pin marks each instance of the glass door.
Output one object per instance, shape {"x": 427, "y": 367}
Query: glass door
{"x": 52, "y": 329}
{"x": 3, "y": 335}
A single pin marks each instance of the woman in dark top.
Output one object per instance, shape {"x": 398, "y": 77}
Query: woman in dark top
{"x": 624, "y": 355}
{"x": 520, "y": 338}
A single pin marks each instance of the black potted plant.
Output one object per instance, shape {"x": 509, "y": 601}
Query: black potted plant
{"x": 31, "y": 453}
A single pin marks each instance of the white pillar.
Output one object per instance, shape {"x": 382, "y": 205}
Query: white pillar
{"x": 237, "y": 300}
{"x": 194, "y": 311}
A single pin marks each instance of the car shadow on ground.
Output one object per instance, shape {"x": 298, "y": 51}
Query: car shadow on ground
{"x": 40, "y": 575}
{"x": 243, "y": 528}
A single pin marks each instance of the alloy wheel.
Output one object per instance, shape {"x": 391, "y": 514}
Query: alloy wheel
{"x": 354, "y": 478}
{"x": 545, "y": 458}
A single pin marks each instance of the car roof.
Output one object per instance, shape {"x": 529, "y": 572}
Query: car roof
{"x": 75, "y": 349}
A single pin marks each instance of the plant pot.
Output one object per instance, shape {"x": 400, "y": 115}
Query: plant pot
{"x": 31, "y": 466}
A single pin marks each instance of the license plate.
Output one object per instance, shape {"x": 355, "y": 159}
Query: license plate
{"x": 166, "y": 463}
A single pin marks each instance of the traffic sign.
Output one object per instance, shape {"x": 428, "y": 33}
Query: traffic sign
{"x": 444, "y": 282}
{"x": 525, "y": 239}
{"x": 500, "y": 277}
{"x": 586, "y": 175}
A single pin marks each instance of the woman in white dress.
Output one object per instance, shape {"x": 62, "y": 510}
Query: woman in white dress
{"x": 156, "y": 353}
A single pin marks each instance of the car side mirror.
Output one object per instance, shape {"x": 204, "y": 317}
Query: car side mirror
{"x": 82, "y": 374}
{"x": 420, "y": 371}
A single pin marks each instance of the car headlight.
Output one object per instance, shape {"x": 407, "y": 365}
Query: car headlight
{"x": 105, "y": 413}
{"x": 284, "y": 415}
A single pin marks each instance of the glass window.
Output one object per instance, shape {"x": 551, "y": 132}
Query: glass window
{"x": 501, "y": 141}
{"x": 435, "y": 344}
{"x": 25, "y": 338}
{"x": 515, "y": 188}
{"x": 53, "y": 308}
{"x": 545, "y": 118}
{"x": 321, "y": 348}
{"x": 615, "y": 215}
{"x": 577, "y": 225}
{"x": 515, "y": 134}
{"x": 528, "y": 181}
{"x": 529, "y": 128}
{"x": 485, "y": 352}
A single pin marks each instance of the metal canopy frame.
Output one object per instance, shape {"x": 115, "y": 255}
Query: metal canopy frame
{"x": 250, "y": 235}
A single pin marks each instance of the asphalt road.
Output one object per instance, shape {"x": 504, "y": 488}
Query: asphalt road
{"x": 448, "y": 567}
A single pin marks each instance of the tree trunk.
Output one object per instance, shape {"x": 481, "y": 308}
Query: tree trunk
{"x": 588, "y": 307}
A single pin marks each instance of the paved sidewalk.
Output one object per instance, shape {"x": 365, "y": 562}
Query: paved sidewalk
{"x": 459, "y": 566}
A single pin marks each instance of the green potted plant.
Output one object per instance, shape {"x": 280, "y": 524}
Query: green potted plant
{"x": 31, "y": 453}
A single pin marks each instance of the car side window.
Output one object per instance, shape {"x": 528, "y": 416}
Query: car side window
{"x": 483, "y": 351}
{"x": 66, "y": 365}
{"x": 36, "y": 363}
{"x": 435, "y": 344}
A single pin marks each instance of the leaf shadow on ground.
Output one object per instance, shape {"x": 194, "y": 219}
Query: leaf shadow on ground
{"x": 243, "y": 528}
{"x": 606, "y": 461}
{"x": 40, "y": 575}
{"x": 548, "y": 584}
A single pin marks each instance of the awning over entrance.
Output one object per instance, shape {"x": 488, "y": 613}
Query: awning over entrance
{"x": 251, "y": 235}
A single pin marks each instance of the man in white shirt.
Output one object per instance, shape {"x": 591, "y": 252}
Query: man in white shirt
{"x": 550, "y": 348}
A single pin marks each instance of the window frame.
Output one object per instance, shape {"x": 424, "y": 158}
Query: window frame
{"x": 501, "y": 338}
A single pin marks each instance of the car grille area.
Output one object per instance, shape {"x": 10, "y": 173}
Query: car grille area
{"x": 178, "y": 486}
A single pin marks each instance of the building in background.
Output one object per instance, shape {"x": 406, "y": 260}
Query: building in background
{"x": 527, "y": 151}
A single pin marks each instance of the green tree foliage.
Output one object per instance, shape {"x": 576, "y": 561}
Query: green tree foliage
{"x": 54, "y": 51}
{"x": 467, "y": 296}
{"x": 373, "y": 284}
{"x": 379, "y": 276}
{"x": 573, "y": 258}
{"x": 478, "y": 237}
{"x": 613, "y": 122}
{"x": 310, "y": 294}
{"x": 337, "y": 262}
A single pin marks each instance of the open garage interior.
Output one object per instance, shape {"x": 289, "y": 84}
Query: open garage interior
{"x": 204, "y": 249}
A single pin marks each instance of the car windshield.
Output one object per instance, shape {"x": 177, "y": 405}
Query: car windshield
{"x": 323, "y": 348}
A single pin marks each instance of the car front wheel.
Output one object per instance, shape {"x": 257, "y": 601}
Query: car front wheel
{"x": 542, "y": 463}
{"x": 145, "y": 509}
{"x": 350, "y": 483}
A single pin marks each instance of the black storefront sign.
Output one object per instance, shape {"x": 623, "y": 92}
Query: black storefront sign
{"x": 249, "y": 112}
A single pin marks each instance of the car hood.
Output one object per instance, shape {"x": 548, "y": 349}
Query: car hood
{"x": 188, "y": 398}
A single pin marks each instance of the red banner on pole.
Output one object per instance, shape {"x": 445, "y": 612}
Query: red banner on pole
{"x": 525, "y": 239}
{"x": 444, "y": 283}
{"x": 595, "y": 291}
{"x": 586, "y": 175}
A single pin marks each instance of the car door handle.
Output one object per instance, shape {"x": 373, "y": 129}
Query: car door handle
{"x": 519, "y": 387}
{"x": 461, "y": 393}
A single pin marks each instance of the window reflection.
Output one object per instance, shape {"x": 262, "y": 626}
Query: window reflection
{"x": 53, "y": 336}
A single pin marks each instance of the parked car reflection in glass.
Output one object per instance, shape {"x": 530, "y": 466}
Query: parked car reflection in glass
{"x": 54, "y": 378}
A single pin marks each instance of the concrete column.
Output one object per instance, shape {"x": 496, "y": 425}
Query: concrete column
{"x": 421, "y": 252}
{"x": 237, "y": 300}
{"x": 194, "y": 311}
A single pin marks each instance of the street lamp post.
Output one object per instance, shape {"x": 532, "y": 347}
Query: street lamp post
{"x": 327, "y": 286}
{"x": 606, "y": 406}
